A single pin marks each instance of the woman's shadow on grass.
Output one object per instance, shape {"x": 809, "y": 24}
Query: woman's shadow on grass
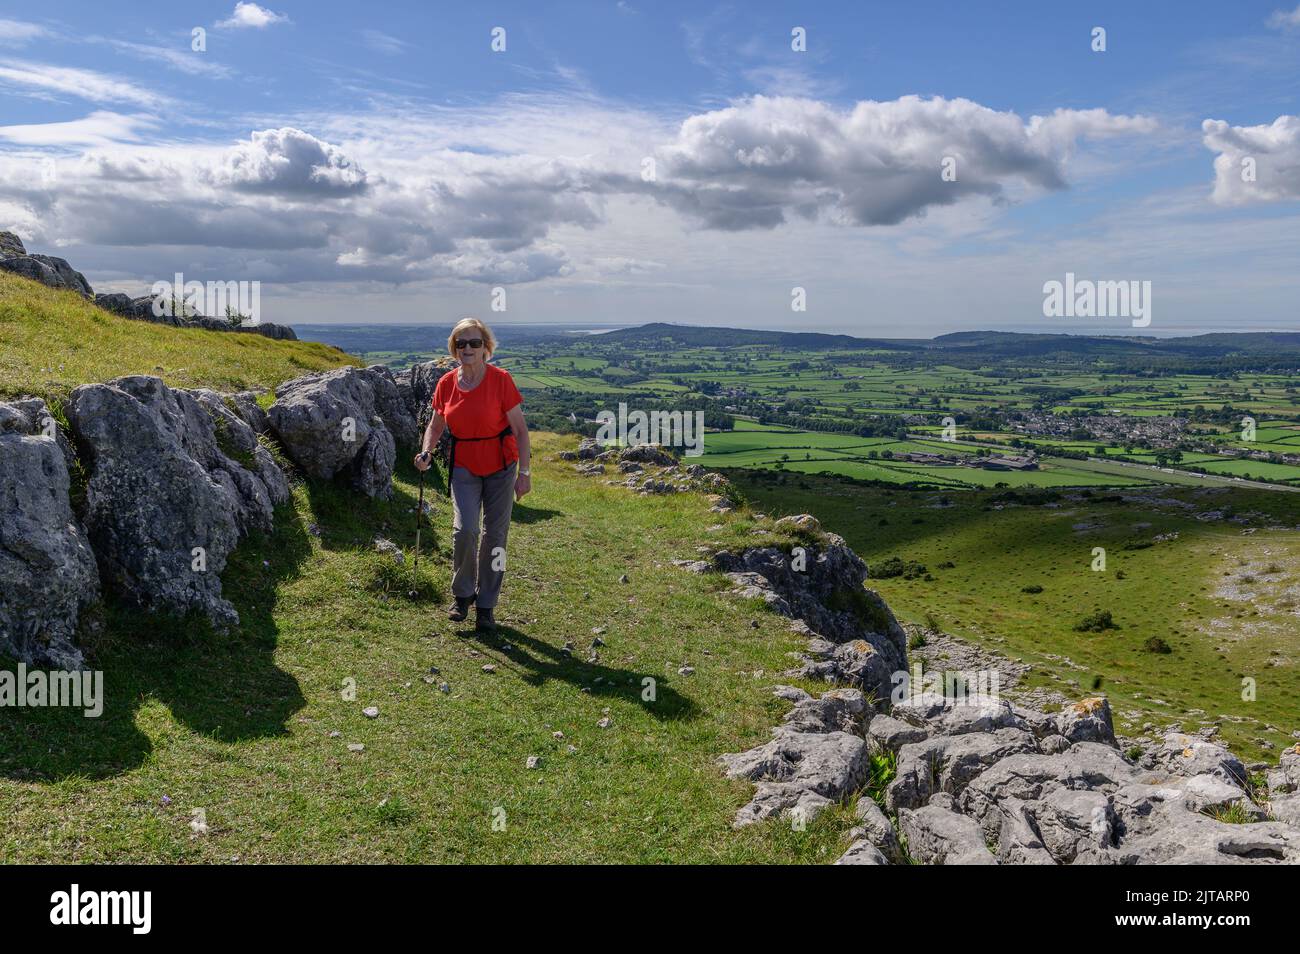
{"x": 537, "y": 662}
{"x": 228, "y": 687}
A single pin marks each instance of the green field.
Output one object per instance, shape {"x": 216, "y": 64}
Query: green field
{"x": 1224, "y": 602}
{"x": 752, "y": 445}
{"x": 824, "y": 397}
{"x": 841, "y": 385}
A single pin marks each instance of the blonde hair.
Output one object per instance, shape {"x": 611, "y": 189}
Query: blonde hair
{"x": 484, "y": 332}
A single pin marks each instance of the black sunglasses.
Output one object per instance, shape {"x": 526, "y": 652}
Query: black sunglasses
{"x": 468, "y": 343}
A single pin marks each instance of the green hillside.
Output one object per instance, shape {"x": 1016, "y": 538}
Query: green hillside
{"x": 252, "y": 733}
{"x": 53, "y": 340}
{"x": 1210, "y": 573}
{"x": 241, "y": 727}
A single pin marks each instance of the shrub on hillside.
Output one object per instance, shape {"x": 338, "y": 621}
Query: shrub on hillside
{"x": 1096, "y": 622}
{"x": 896, "y": 566}
{"x": 1026, "y": 496}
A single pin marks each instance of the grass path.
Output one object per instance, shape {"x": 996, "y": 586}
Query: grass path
{"x": 240, "y": 726}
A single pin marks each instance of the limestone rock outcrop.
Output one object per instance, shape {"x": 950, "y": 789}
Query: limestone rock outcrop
{"x": 345, "y": 423}
{"x": 815, "y": 759}
{"x": 416, "y": 385}
{"x": 858, "y": 642}
{"x": 57, "y": 273}
{"x": 48, "y": 575}
{"x": 175, "y": 480}
{"x": 46, "y": 269}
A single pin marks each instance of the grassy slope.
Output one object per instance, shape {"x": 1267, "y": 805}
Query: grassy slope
{"x": 240, "y": 726}
{"x": 1223, "y": 600}
{"x": 51, "y": 341}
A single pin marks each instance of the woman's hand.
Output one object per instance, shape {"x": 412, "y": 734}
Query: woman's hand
{"x": 523, "y": 484}
{"x": 423, "y": 460}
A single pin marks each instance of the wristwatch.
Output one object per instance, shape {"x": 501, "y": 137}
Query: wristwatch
{"x": 526, "y": 472}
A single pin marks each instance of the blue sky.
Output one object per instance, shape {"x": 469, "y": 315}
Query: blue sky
{"x": 382, "y": 162}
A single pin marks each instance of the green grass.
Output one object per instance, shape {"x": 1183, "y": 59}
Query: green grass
{"x": 1234, "y": 814}
{"x": 1021, "y": 580}
{"x": 51, "y": 341}
{"x": 240, "y": 726}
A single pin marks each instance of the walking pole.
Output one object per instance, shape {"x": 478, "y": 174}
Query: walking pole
{"x": 419, "y": 511}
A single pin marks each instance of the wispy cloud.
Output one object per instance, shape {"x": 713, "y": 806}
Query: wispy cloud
{"x": 100, "y": 128}
{"x": 778, "y": 79}
{"x": 18, "y": 32}
{"x": 381, "y": 42}
{"x": 185, "y": 60}
{"x": 45, "y": 80}
{"x": 251, "y": 16}
{"x": 1285, "y": 20}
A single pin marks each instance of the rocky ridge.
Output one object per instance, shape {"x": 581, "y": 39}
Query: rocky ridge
{"x": 168, "y": 482}
{"x": 57, "y": 273}
{"x": 977, "y": 779}
{"x": 952, "y": 779}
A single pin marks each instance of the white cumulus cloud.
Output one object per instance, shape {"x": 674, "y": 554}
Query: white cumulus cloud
{"x": 1255, "y": 163}
{"x": 252, "y": 16}
{"x": 765, "y": 160}
{"x": 532, "y": 192}
{"x": 288, "y": 161}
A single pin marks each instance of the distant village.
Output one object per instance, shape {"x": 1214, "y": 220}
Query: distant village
{"x": 1130, "y": 431}
{"x": 1121, "y": 430}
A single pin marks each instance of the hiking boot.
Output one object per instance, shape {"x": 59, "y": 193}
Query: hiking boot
{"x": 484, "y": 620}
{"x": 461, "y": 609}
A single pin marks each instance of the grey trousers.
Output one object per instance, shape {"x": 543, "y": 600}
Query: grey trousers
{"x": 480, "y": 566}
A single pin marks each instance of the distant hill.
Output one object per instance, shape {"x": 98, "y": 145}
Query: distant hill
{"x": 1200, "y": 353}
{"x": 422, "y": 340}
{"x": 412, "y": 342}
{"x": 1224, "y": 343}
{"x": 705, "y": 337}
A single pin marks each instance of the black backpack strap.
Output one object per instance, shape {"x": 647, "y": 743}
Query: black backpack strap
{"x": 453, "y": 440}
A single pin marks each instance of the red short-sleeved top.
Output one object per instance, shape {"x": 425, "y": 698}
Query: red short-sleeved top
{"x": 480, "y": 412}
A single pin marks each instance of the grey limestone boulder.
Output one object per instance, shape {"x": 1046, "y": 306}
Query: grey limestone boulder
{"x": 46, "y": 269}
{"x": 1189, "y": 755}
{"x": 416, "y": 385}
{"x": 809, "y": 763}
{"x": 347, "y": 422}
{"x": 937, "y": 836}
{"x": 175, "y": 480}
{"x": 1088, "y": 720}
{"x": 48, "y": 575}
{"x": 863, "y": 644}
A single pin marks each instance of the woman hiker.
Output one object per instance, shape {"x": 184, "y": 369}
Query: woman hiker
{"x": 490, "y": 453}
